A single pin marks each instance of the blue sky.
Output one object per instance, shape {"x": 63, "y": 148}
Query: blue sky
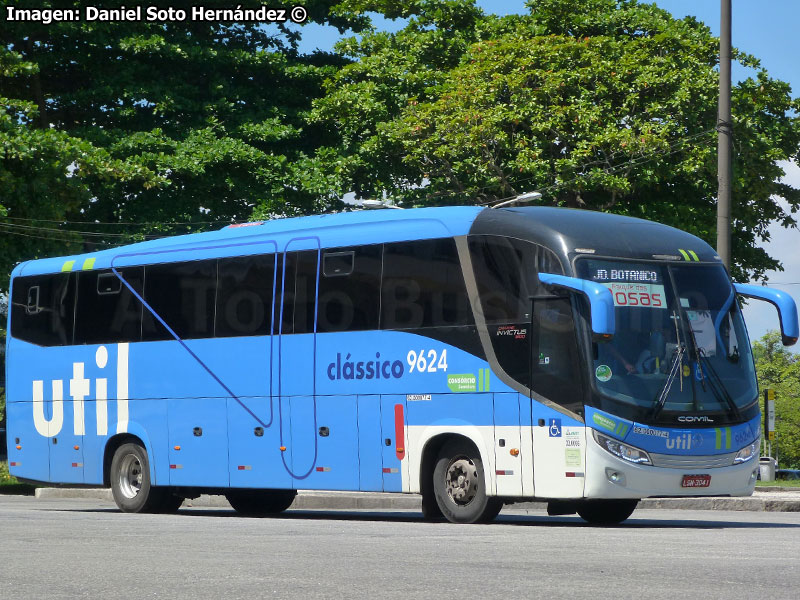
{"x": 767, "y": 29}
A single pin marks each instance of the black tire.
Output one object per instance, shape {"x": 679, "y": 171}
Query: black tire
{"x": 459, "y": 485}
{"x": 260, "y": 502}
{"x": 430, "y": 508}
{"x": 606, "y": 512}
{"x": 130, "y": 480}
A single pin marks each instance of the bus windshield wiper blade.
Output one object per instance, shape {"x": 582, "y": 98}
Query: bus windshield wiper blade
{"x": 717, "y": 387}
{"x": 714, "y": 383}
{"x": 674, "y": 368}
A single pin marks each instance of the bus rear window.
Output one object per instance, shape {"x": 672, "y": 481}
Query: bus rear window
{"x": 43, "y": 309}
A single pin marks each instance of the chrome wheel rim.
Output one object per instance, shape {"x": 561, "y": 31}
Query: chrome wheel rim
{"x": 461, "y": 481}
{"x": 130, "y": 476}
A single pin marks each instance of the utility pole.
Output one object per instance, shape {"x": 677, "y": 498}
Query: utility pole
{"x": 724, "y": 135}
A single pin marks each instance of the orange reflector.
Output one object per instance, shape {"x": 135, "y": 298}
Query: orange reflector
{"x": 177, "y": 447}
{"x": 77, "y": 447}
{"x": 283, "y": 448}
{"x": 514, "y": 452}
{"x": 19, "y": 447}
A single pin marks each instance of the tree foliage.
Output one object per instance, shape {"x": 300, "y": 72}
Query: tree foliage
{"x": 779, "y": 369}
{"x": 603, "y": 105}
{"x": 157, "y": 122}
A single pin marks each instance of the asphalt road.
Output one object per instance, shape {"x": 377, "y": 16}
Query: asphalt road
{"x": 79, "y": 548}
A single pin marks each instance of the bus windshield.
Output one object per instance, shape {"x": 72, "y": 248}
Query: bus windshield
{"x": 680, "y": 353}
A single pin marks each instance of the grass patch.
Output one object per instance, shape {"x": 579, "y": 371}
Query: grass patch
{"x": 784, "y": 483}
{"x": 10, "y": 485}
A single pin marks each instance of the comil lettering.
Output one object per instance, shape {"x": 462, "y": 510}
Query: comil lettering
{"x": 80, "y": 388}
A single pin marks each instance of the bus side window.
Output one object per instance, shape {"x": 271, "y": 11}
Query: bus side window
{"x": 505, "y": 271}
{"x": 423, "y": 286}
{"x": 506, "y": 276}
{"x": 350, "y": 289}
{"x": 43, "y": 309}
{"x": 244, "y": 297}
{"x": 183, "y": 295}
{"x": 299, "y": 292}
{"x": 107, "y": 311}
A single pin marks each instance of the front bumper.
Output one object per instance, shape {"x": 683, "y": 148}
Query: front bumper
{"x": 608, "y": 476}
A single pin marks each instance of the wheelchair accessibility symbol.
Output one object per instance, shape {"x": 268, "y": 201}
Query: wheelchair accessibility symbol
{"x": 555, "y": 428}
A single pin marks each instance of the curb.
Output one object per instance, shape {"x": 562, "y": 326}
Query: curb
{"x": 766, "y": 501}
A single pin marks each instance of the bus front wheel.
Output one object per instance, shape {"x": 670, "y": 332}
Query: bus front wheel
{"x": 459, "y": 485}
{"x": 606, "y": 512}
{"x": 260, "y": 502}
{"x": 130, "y": 481}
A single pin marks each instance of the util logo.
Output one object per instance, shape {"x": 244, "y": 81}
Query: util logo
{"x": 80, "y": 389}
{"x": 685, "y": 441}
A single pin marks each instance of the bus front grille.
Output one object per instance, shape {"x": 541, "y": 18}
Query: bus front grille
{"x": 674, "y": 461}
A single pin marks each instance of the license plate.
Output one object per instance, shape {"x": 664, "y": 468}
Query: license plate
{"x": 696, "y": 481}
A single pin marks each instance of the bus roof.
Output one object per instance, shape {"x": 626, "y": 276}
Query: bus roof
{"x": 576, "y": 232}
{"x": 569, "y": 232}
{"x": 297, "y": 233}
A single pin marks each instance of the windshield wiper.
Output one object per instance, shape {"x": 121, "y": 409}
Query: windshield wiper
{"x": 717, "y": 387}
{"x": 674, "y": 369}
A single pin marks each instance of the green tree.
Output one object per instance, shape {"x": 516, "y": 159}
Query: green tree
{"x": 779, "y": 369}
{"x": 150, "y": 123}
{"x": 603, "y": 104}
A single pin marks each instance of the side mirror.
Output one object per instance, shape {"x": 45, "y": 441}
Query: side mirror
{"x": 601, "y": 302}
{"x": 787, "y": 309}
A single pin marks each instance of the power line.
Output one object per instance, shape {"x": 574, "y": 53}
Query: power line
{"x": 633, "y": 162}
{"x": 13, "y": 226}
{"x": 121, "y": 223}
{"x": 61, "y": 239}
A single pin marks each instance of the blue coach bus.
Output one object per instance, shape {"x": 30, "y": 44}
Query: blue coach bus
{"x": 474, "y": 356}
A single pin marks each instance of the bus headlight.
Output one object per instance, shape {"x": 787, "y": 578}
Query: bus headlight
{"x": 623, "y": 451}
{"x": 747, "y": 453}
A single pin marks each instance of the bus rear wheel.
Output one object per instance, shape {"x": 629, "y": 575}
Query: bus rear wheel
{"x": 130, "y": 481}
{"x": 260, "y": 502}
{"x": 606, "y": 512}
{"x": 459, "y": 485}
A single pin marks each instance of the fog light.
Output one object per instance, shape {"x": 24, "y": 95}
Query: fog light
{"x": 753, "y": 476}
{"x": 615, "y": 476}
